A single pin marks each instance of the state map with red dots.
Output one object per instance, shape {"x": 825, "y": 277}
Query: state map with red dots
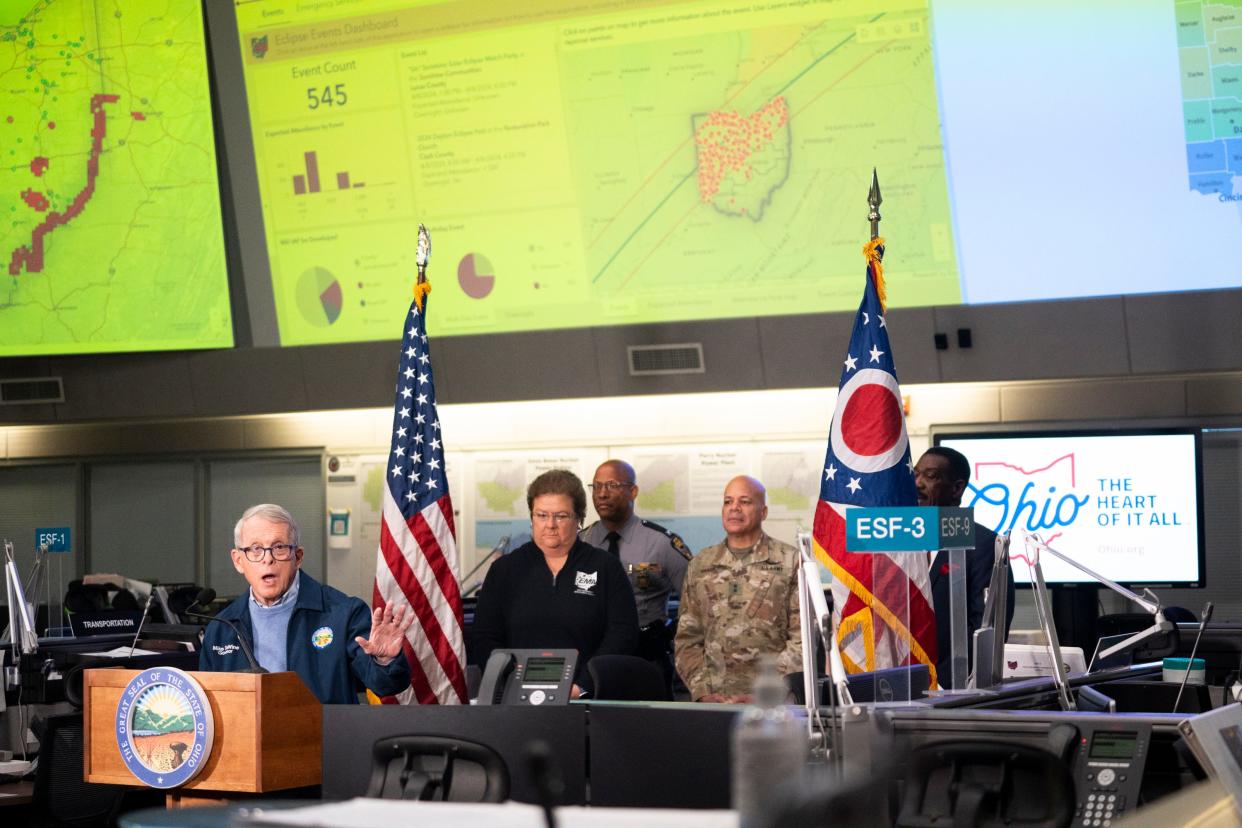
{"x": 723, "y": 154}
{"x": 110, "y": 226}
{"x": 741, "y": 159}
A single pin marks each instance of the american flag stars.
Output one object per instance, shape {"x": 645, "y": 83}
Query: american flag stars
{"x": 413, "y": 473}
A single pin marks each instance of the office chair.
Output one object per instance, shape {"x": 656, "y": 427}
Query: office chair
{"x": 627, "y": 678}
{"x": 61, "y": 796}
{"x": 182, "y": 598}
{"x": 985, "y": 784}
{"x": 866, "y": 800}
{"x": 80, "y": 597}
{"x": 437, "y": 768}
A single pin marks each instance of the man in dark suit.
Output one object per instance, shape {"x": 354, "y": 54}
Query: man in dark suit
{"x": 941, "y": 477}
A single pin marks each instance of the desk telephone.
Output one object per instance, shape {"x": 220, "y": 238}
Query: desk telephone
{"x": 1108, "y": 770}
{"x": 535, "y": 677}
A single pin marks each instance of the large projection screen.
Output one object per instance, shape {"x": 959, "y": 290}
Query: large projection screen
{"x": 111, "y": 232}
{"x": 621, "y": 162}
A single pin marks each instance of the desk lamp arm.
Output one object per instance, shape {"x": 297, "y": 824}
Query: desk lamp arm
{"x": 1147, "y": 600}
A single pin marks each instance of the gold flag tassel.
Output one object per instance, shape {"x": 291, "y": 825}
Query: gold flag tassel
{"x": 421, "y": 289}
{"x": 873, "y": 251}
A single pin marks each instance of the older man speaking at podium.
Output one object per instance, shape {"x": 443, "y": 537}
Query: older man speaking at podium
{"x": 331, "y": 640}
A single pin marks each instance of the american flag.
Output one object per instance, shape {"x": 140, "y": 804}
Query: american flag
{"x": 417, "y": 555}
{"x": 883, "y": 603}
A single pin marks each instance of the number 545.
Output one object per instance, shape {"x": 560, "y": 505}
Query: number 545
{"x": 328, "y": 96}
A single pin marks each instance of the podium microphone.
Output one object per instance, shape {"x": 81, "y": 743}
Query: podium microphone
{"x": 1190, "y": 662}
{"x": 145, "y": 612}
{"x": 206, "y": 597}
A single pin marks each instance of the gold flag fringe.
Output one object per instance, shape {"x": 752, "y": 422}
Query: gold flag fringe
{"x": 873, "y": 251}
{"x": 420, "y": 294}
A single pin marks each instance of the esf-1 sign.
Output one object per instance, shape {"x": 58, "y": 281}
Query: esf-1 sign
{"x": 909, "y": 529}
{"x": 55, "y": 538}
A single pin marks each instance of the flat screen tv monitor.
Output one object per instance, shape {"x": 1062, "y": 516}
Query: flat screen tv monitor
{"x": 1126, "y": 504}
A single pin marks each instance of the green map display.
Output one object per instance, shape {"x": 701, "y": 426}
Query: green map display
{"x": 1209, "y": 39}
{"x": 649, "y": 161}
{"x": 110, "y": 228}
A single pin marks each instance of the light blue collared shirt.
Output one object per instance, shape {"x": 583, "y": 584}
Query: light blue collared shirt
{"x": 271, "y": 627}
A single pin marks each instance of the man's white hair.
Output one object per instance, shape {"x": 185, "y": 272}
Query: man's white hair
{"x": 272, "y": 514}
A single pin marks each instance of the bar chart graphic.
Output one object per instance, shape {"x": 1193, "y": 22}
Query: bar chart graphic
{"x": 307, "y": 181}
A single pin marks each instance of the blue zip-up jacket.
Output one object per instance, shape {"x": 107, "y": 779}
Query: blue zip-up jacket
{"x": 320, "y": 645}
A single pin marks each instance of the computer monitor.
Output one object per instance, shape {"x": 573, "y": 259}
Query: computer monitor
{"x": 1127, "y": 504}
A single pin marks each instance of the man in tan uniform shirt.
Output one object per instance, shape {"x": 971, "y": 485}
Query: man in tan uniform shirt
{"x": 739, "y": 603}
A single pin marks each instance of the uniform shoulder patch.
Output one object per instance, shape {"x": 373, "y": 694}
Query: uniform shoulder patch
{"x": 674, "y": 539}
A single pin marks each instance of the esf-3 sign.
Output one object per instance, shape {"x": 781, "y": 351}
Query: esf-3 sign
{"x": 909, "y": 529}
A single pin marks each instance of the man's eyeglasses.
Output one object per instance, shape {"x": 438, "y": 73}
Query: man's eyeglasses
{"x": 551, "y": 517}
{"x": 280, "y": 552}
{"x": 610, "y": 486}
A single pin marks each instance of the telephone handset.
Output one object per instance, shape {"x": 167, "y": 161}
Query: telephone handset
{"x": 495, "y": 677}
{"x": 528, "y": 677}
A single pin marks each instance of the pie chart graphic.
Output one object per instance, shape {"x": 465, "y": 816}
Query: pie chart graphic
{"x": 475, "y": 275}
{"x": 319, "y": 297}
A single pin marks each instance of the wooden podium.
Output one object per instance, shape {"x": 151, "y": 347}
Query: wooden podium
{"x": 269, "y": 731}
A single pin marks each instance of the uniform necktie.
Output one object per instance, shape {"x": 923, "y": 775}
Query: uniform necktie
{"x": 613, "y": 538}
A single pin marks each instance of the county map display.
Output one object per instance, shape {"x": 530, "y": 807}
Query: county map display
{"x": 110, "y": 229}
{"x": 1209, "y": 39}
{"x": 642, "y": 161}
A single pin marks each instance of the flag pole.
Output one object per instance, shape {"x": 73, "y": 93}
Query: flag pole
{"x": 873, "y": 250}
{"x": 416, "y": 561}
{"x": 422, "y": 255}
{"x": 873, "y": 200}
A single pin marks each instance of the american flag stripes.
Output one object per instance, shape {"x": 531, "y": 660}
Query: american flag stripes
{"x": 883, "y": 603}
{"x": 417, "y": 557}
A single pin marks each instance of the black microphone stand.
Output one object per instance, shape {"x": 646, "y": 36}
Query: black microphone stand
{"x": 1190, "y": 662}
{"x": 206, "y": 597}
{"x": 145, "y": 612}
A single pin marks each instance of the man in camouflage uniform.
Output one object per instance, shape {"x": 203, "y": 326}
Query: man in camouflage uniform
{"x": 739, "y": 603}
{"x": 654, "y": 557}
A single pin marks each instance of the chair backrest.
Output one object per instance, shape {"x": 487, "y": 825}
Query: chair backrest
{"x": 986, "y": 784}
{"x": 437, "y": 768}
{"x": 62, "y": 797}
{"x": 627, "y": 678}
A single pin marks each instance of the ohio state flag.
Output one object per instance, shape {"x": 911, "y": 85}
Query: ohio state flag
{"x": 883, "y": 603}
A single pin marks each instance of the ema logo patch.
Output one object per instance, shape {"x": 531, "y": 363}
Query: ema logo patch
{"x": 164, "y": 727}
{"x": 584, "y": 582}
{"x": 321, "y": 637}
